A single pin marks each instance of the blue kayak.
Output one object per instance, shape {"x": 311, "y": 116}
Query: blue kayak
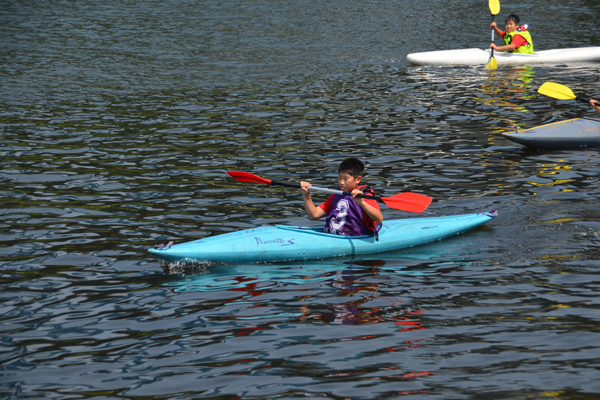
{"x": 578, "y": 132}
{"x": 294, "y": 243}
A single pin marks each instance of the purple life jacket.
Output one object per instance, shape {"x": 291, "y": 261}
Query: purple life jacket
{"x": 346, "y": 218}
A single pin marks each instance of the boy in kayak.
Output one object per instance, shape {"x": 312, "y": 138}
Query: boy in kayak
{"x": 346, "y": 215}
{"x": 517, "y": 38}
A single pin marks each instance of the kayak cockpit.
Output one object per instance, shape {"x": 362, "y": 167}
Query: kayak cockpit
{"x": 319, "y": 231}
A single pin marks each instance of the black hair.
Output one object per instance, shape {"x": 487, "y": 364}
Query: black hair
{"x": 514, "y": 18}
{"x": 352, "y": 166}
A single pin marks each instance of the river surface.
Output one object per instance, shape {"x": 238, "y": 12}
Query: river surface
{"x": 119, "y": 120}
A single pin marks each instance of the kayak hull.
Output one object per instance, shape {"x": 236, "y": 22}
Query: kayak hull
{"x": 476, "y": 56}
{"x": 292, "y": 243}
{"x": 578, "y": 132}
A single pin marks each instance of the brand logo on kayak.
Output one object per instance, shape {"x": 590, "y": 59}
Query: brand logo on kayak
{"x": 589, "y": 130}
{"x": 429, "y": 227}
{"x": 279, "y": 241}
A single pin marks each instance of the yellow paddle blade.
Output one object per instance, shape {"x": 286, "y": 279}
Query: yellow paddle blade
{"x": 494, "y": 6}
{"x": 556, "y": 90}
{"x": 493, "y": 64}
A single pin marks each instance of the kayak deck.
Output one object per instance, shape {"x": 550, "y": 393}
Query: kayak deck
{"x": 578, "y": 132}
{"x": 289, "y": 243}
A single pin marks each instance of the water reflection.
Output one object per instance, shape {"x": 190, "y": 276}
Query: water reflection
{"x": 348, "y": 291}
{"x": 505, "y": 87}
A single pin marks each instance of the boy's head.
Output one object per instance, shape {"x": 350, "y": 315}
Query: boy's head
{"x": 512, "y": 23}
{"x": 352, "y": 166}
{"x": 350, "y": 174}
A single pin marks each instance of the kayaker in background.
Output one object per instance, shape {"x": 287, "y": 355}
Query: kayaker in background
{"x": 595, "y": 104}
{"x": 346, "y": 215}
{"x": 517, "y": 38}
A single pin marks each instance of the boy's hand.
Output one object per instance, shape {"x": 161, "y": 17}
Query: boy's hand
{"x": 304, "y": 188}
{"x": 595, "y": 104}
{"x": 312, "y": 212}
{"x": 493, "y": 46}
{"x": 357, "y": 200}
{"x": 493, "y": 25}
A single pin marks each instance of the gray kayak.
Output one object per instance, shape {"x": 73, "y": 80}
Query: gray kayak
{"x": 578, "y": 132}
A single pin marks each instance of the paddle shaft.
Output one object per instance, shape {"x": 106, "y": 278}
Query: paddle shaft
{"x": 412, "y": 202}
{"x": 325, "y": 190}
{"x": 493, "y": 31}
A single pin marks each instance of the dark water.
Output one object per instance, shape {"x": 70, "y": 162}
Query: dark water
{"x": 118, "y": 122}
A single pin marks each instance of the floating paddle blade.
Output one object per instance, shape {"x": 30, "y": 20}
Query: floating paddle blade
{"x": 556, "y": 90}
{"x": 412, "y": 202}
{"x": 247, "y": 177}
{"x": 494, "y": 6}
{"x": 493, "y": 64}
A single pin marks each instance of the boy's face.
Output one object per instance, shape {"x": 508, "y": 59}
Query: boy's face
{"x": 511, "y": 26}
{"x": 347, "y": 182}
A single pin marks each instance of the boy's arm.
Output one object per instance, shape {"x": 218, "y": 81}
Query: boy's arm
{"x": 508, "y": 47}
{"x": 312, "y": 211}
{"x": 496, "y": 30}
{"x": 373, "y": 212}
{"x": 517, "y": 41}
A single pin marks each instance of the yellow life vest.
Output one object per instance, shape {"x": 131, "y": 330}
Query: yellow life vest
{"x": 525, "y": 49}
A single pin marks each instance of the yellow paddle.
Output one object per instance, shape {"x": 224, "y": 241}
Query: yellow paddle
{"x": 495, "y": 9}
{"x": 558, "y": 91}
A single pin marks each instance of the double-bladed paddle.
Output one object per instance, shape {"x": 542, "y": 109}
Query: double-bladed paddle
{"x": 495, "y": 9}
{"x": 412, "y": 202}
{"x": 560, "y": 92}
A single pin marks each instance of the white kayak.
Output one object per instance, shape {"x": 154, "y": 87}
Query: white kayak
{"x": 482, "y": 57}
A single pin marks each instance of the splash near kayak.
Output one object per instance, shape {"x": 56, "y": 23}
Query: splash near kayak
{"x": 292, "y": 243}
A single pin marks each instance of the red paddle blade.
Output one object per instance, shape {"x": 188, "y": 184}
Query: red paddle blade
{"x": 412, "y": 202}
{"x": 248, "y": 177}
